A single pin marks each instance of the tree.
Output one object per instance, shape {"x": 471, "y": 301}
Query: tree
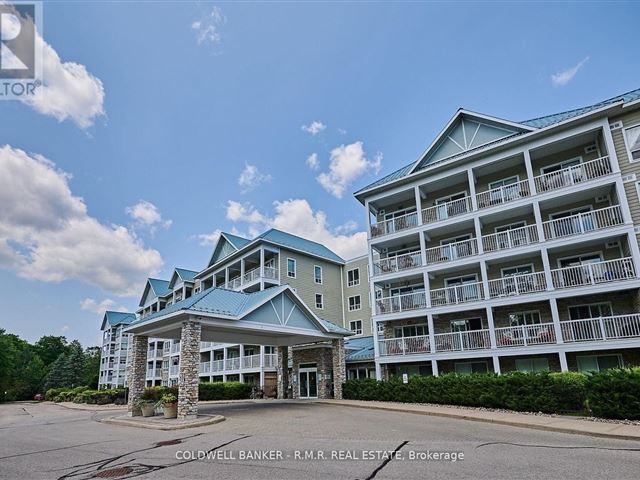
{"x": 56, "y": 377}
{"x": 50, "y": 347}
{"x": 92, "y": 367}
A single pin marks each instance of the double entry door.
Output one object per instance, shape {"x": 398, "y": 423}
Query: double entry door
{"x": 308, "y": 381}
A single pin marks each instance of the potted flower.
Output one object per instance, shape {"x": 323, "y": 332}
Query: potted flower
{"x": 147, "y": 406}
{"x": 169, "y": 404}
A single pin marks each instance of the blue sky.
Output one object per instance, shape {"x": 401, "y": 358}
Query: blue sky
{"x": 156, "y": 110}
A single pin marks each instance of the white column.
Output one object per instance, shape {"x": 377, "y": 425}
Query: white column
{"x": 262, "y": 268}
{"x": 529, "y": 168}
{"x": 418, "y": 204}
{"x": 563, "y": 361}
{"x": 496, "y": 364}
{"x": 478, "y": 227}
{"x": 555, "y": 316}
{"x": 376, "y": 349}
{"x": 427, "y": 289}
{"x": 547, "y": 268}
{"x": 485, "y": 279}
{"x": 492, "y": 328}
{"x": 538, "y": 216}
{"x": 611, "y": 148}
{"x": 434, "y": 368}
{"x": 635, "y": 250}
{"x": 224, "y": 363}
{"x": 241, "y": 355}
{"x": 423, "y": 249}
{"x": 432, "y": 332}
{"x": 242, "y": 271}
{"x": 472, "y": 188}
{"x": 368, "y": 210}
{"x": 226, "y": 276}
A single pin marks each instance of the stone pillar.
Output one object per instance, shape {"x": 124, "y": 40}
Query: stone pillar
{"x": 137, "y": 374}
{"x": 189, "y": 362}
{"x": 283, "y": 372}
{"x": 339, "y": 367}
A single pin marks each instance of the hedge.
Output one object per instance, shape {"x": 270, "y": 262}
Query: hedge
{"x": 224, "y": 391}
{"x": 615, "y": 393}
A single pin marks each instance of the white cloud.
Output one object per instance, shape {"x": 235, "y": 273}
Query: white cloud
{"x": 46, "y": 233}
{"x": 65, "y": 328}
{"x": 560, "y": 79}
{"x": 314, "y": 127}
{"x": 251, "y": 177}
{"x": 297, "y": 217}
{"x": 147, "y": 214}
{"x": 208, "y": 27}
{"x": 94, "y": 306}
{"x": 209, "y": 239}
{"x": 347, "y": 227}
{"x": 68, "y": 91}
{"x": 312, "y": 161}
{"x": 348, "y": 162}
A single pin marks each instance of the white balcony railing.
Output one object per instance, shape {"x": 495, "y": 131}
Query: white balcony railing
{"x": 525, "y": 335}
{"x": 452, "y": 251}
{"x": 469, "y": 292}
{"x": 446, "y": 210}
{"x": 401, "y": 303}
{"x": 504, "y": 194}
{"x": 405, "y": 345}
{"x": 217, "y": 365}
{"x": 174, "y": 370}
{"x": 251, "y": 361}
{"x": 594, "y": 273}
{"x": 271, "y": 273}
{"x": 395, "y": 224}
{"x": 517, "y": 285}
{"x": 251, "y": 276}
{"x": 459, "y": 341}
{"x": 573, "y": 175}
{"x": 233, "y": 283}
{"x": 517, "y": 237}
{"x": 205, "y": 367}
{"x": 397, "y": 263}
{"x": 583, "y": 222}
{"x": 232, "y": 363}
{"x": 601, "y": 329}
{"x": 175, "y": 348}
{"x": 270, "y": 360}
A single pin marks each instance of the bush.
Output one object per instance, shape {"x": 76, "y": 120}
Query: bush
{"x": 538, "y": 392}
{"x": 154, "y": 394}
{"x": 224, "y": 391}
{"x": 615, "y": 393}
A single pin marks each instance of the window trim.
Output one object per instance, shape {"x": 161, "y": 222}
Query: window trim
{"x": 295, "y": 267}
{"x": 533, "y": 270}
{"x": 626, "y": 144}
{"x": 464, "y": 192}
{"x": 315, "y": 280}
{"x": 455, "y": 364}
{"x": 475, "y": 275}
{"x": 489, "y": 188}
{"x": 495, "y": 229}
{"x": 569, "y": 307}
{"x": 349, "y": 284}
{"x": 532, "y": 360}
{"x": 554, "y": 216}
{"x": 356, "y": 330}
{"x": 524, "y": 312}
{"x": 321, "y": 307}
{"x": 468, "y": 235}
{"x": 620, "y": 359}
{"x": 597, "y": 252}
{"x": 542, "y": 169}
{"x": 349, "y": 303}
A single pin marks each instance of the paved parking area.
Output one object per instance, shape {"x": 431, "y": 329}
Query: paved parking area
{"x": 45, "y": 441}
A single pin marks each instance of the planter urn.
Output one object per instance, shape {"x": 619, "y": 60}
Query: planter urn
{"x": 148, "y": 409}
{"x": 170, "y": 410}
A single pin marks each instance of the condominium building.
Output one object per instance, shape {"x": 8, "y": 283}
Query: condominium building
{"x": 333, "y": 289}
{"x": 510, "y": 246}
{"x": 115, "y": 344}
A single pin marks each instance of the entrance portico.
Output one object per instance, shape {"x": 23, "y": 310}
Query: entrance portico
{"x": 275, "y": 316}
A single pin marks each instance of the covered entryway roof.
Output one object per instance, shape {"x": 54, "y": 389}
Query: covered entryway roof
{"x": 275, "y": 316}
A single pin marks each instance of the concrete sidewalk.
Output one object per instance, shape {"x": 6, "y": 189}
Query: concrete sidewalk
{"x": 540, "y": 422}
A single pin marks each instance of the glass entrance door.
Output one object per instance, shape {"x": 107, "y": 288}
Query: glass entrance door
{"x": 308, "y": 382}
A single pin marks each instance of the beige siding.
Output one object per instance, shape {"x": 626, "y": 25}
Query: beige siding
{"x": 439, "y": 281}
{"x": 482, "y": 183}
{"x": 607, "y": 253}
{"x": 546, "y": 214}
{"x": 362, "y": 289}
{"x": 490, "y": 228}
{"x": 539, "y": 164}
{"x": 495, "y": 269}
{"x": 430, "y": 201}
{"x": 626, "y": 167}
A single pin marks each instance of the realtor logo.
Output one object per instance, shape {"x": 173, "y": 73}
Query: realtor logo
{"x": 20, "y": 49}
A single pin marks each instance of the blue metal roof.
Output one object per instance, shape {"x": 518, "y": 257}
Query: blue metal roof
{"x": 293, "y": 241}
{"x": 160, "y": 287}
{"x": 333, "y": 328}
{"x": 236, "y": 241}
{"x": 118, "y": 318}
{"x": 359, "y": 349}
{"x": 187, "y": 275}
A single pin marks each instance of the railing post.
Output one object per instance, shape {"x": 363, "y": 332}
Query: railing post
{"x": 404, "y": 346}
{"x": 432, "y": 338}
{"x": 602, "y": 330}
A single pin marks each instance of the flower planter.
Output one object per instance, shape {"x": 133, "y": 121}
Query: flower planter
{"x": 148, "y": 409}
{"x": 170, "y": 410}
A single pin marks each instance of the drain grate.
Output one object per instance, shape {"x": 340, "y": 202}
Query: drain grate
{"x": 164, "y": 443}
{"x": 113, "y": 472}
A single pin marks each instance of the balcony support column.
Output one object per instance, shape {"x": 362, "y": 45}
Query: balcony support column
{"x": 427, "y": 289}
{"x": 418, "y": 204}
{"x": 423, "y": 249}
{"x": 472, "y": 189}
{"x": 262, "y": 269}
{"x": 485, "y": 279}
{"x": 611, "y": 148}
{"x": 478, "y": 228}
{"x": 529, "y": 169}
{"x": 492, "y": 330}
{"x": 434, "y": 368}
{"x": 496, "y": 364}
{"x": 376, "y": 346}
{"x": 546, "y": 264}
{"x": 632, "y": 239}
{"x": 538, "y": 216}
{"x": 564, "y": 367}
{"x": 432, "y": 338}
{"x": 555, "y": 316}
{"x": 242, "y": 267}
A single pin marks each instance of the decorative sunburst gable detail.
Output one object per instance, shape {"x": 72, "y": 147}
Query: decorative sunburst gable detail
{"x": 282, "y": 311}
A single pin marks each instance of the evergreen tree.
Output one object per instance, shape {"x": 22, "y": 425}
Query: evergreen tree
{"x": 74, "y": 367}
{"x": 56, "y": 377}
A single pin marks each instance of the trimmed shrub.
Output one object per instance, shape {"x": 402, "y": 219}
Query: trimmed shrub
{"x": 537, "y": 392}
{"x": 224, "y": 391}
{"x": 154, "y": 394}
{"x": 614, "y": 393}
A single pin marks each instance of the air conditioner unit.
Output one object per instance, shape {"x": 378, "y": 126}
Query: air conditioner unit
{"x": 590, "y": 148}
{"x": 613, "y": 244}
{"x": 387, "y": 285}
{"x": 602, "y": 199}
{"x": 615, "y": 125}
{"x": 629, "y": 178}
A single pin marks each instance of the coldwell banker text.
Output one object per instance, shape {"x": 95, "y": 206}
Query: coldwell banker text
{"x": 314, "y": 455}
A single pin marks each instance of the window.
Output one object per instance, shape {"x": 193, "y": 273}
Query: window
{"x": 410, "y": 331}
{"x": 317, "y": 274}
{"x": 380, "y": 328}
{"x": 559, "y": 166}
{"x": 519, "y": 270}
{"x": 632, "y": 140}
{"x": 470, "y": 367}
{"x": 524, "y": 318}
{"x": 593, "y": 310}
{"x": 504, "y": 182}
{"x": 597, "y": 363}
{"x": 466, "y": 325}
{"x": 291, "y": 268}
{"x": 353, "y": 277}
{"x": 532, "y": 364}
{"x": 361, "y": 372}
{"x": 356, "y": 326}
{"x": 354, "y": 303}
{"x": 319, "y": 301}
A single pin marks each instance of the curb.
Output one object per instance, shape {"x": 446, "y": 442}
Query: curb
{"x": 509, "y": 423}
{"x": 83, "y": 407}
{"x": 118, "y": 420}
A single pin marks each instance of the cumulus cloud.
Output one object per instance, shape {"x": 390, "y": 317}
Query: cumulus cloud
{"x": 47, "y": 234}
{"x": 347, "y": 163}
{"x": 314, "y": 127}
{"x": 209, "y": 239}
{"x": 94, "y": 306}
{"x": 251, "y": 177}
{"x": 208, "y": 27}
{"x": 560, "y": 79}
{"x": 297, "y": 217}
{"x": 312, "y": 161}
{"x": 146, "y": 214}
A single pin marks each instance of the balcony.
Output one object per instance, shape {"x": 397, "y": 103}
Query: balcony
{"x": 232, "y": 363}
{"x": 583, "y": 223}
{"x": 396, "y": 224}
{"x": 405, "y": 345}
{"x": 217, "y": 365}
{"x": 271, "y": 360}
{"x": 504, "y": 194}
{"x": 447, "y": 210}
{"x": 251, "y": 361}
{"x": 269, "y": 273}
{"x": 401, "y": 303}
{"x": 397, "y": 263}
{"x": 573, "y": 175}
{"x": 205, "y": 367}
{"x": 525, "y": 335}
{"x": 469, "y": 292}
{"x": 175, "y": 348}
{"x": 517, "y": 237}
{"x": 595, "y": 273}
{"x": 452, "y": 251}
{"x": 601, "y": 329}
{"x": 517, "y": 285}
{"x": 461, "y": 341}
{"x": 174, "y": 370}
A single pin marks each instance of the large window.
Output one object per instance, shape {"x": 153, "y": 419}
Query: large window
{"x": 361, "y": 372}
{"x": 597, "y": 363}
{"x": 410, "y": 331}
{"x": 355, "y": 303}
{"x": 471, "y": 367}
{"x": 532, "y": 364}
{"x": 356, "y": 326}
{"x": 291, "y": 268}
{"x": 319, "y": 301}
{"x": 632, "y": 139}
{"x": 593, "y": 310}
{"x": 353, "y": 277}
{"x": 317, "y": 274}
{"x": 524, "y": 318}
